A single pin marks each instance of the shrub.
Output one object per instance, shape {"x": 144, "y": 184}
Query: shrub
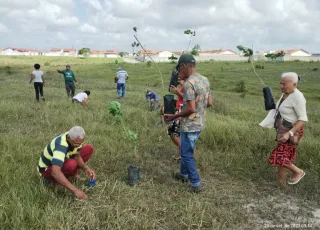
{"x": 149, "y": 63}
{"x": 46, "y": 64}
{"x": 241, "y": 88}
{"x": 259, "y": 66}
{"x": 8, "y": 70}
{"x": 315, "y": 69}
{"x": 116, "y": 62}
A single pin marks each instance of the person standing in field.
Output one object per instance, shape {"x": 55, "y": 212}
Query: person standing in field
{"x": 174, "y": 126}
{"x": 121, "y": 78}
{"x": 82, "y": 98}
{"x": 197, "y": 98}
{"x": 63, "y": 157}
{"x": 37, "y": 76}
{"x": 70, "y": 80}
{"x": 291, "y": 114}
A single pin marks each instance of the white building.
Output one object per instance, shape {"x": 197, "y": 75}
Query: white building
{"x": 111, "y": 53}
{"x": 14, "y": 51}
{"x": 165, "y": 54}
{"x": 217, "y": 52}
{"x": 293, "y": 52}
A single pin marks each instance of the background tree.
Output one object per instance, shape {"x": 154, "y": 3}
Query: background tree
{"x": 122, "y": 54}
{"x": 172, "y": 58}
{"x": 191, "y": 33}
{"x": 84, "y": 51}
{"x": 195, "y": 52}
{"x": 197, "y": 47}
{"x": 247, "y": 52}
{"x": 275, "y": 56}
{"x": 134, "y": 45}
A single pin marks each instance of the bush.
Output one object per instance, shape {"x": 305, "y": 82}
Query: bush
{"x": 241, "y": 88}
{"x": 47, "y": 64}
{"x": 259, "y": 66}
{"x": 7, "y": 69}
{"x": 116, "y": 62}
{"x": 149, "y": 63}
{"x": 315, "y": 69}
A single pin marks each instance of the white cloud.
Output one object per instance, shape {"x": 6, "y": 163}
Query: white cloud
{"x": 61, "y": 36}
{"x": 86, "y": 28}
{"x": 3, "y": 28}
{"x": 266, "y": 24}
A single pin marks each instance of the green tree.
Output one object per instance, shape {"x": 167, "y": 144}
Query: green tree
{"x": 274, "y": 56}
{"x": 197, "y": 47}
{"x": 194, "y": 52}
{"x": 191, "y": 33}
{"x": 172, "y": 58}
{"x": 134, "y": 45}
{"x": 84, "y": 51}
{"x": 247, "y": 52}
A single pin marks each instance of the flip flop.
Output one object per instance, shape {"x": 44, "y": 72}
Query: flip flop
{"x": 295, "y": 182}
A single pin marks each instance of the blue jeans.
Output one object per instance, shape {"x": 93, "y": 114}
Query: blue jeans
{"x": 188, "y": 167}
{"x": 121, "y": 87}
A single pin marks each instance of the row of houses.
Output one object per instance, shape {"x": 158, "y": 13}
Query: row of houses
{"x": 65, "y": 52}
{"x": 154, "y": 53}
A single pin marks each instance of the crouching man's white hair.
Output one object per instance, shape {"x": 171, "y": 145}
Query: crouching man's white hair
{"x": 292, "y": 75}
{"x": 76, "y": 132}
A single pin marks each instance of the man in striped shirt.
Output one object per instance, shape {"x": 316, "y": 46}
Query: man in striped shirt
{"x": 121, "y": 78}
{"x": 64, "y": 156}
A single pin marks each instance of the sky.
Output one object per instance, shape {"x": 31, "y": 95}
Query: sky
{"x": 107, "y": 24}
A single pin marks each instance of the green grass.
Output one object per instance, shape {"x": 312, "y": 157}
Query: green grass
{"x": 240, "y": 190}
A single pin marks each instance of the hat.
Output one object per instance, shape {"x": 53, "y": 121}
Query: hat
{"x": 186, "y": 59}
{"x": 67, "y": 65}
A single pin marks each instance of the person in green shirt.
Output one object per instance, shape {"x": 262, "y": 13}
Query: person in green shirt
{"x": 70, "y": 80}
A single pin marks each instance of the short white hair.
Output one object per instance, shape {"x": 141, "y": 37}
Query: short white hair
{"x": 294, "y": 76}
{"x": 76, "y": 132}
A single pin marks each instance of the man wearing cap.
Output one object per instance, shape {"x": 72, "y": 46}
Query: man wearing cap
{"x": 197, "y": 98}
{"x": 121, "y": 78}
{"x": 70, "y": 80}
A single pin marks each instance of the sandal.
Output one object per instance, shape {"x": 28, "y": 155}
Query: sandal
{"x": 174, "y": 157}
{"x": 295, "y": 182}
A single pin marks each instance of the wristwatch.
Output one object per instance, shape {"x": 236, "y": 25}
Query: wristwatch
{"x": 291, "y": 133}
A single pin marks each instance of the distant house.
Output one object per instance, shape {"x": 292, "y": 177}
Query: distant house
{"x": 165, "y": 54}
{"x": 150, "y": 52}
{"x": 111, "y": 53}
{"x": 216, "y": 52}
{"x": 69, "y": 52}
{"x": 14, "y": 51}
{"x": 97, "y": 53}
{"x": 54, "y": 52}
{"x": 293, "y": 52}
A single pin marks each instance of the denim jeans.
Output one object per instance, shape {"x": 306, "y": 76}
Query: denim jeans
{"x": 121, "y": 86}
{"x": 188, "y": 167}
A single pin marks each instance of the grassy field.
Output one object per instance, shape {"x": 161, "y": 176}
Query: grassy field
{"x": 240, "y": 189}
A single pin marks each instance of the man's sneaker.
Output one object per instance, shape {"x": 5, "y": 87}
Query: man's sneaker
{"x": 193, "y": 189}
{"x": 133, "y": 175}
{"x": 177, "y": 176}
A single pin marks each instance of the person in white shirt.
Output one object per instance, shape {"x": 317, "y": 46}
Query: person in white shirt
{"x": 289, "y": 119}
{"x": 37, "y": 76}
{"x": 120, "y": 79}
{"x": 82, "y": 98}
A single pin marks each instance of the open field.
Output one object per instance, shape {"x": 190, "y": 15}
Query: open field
{"x": 240, "y": 189}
